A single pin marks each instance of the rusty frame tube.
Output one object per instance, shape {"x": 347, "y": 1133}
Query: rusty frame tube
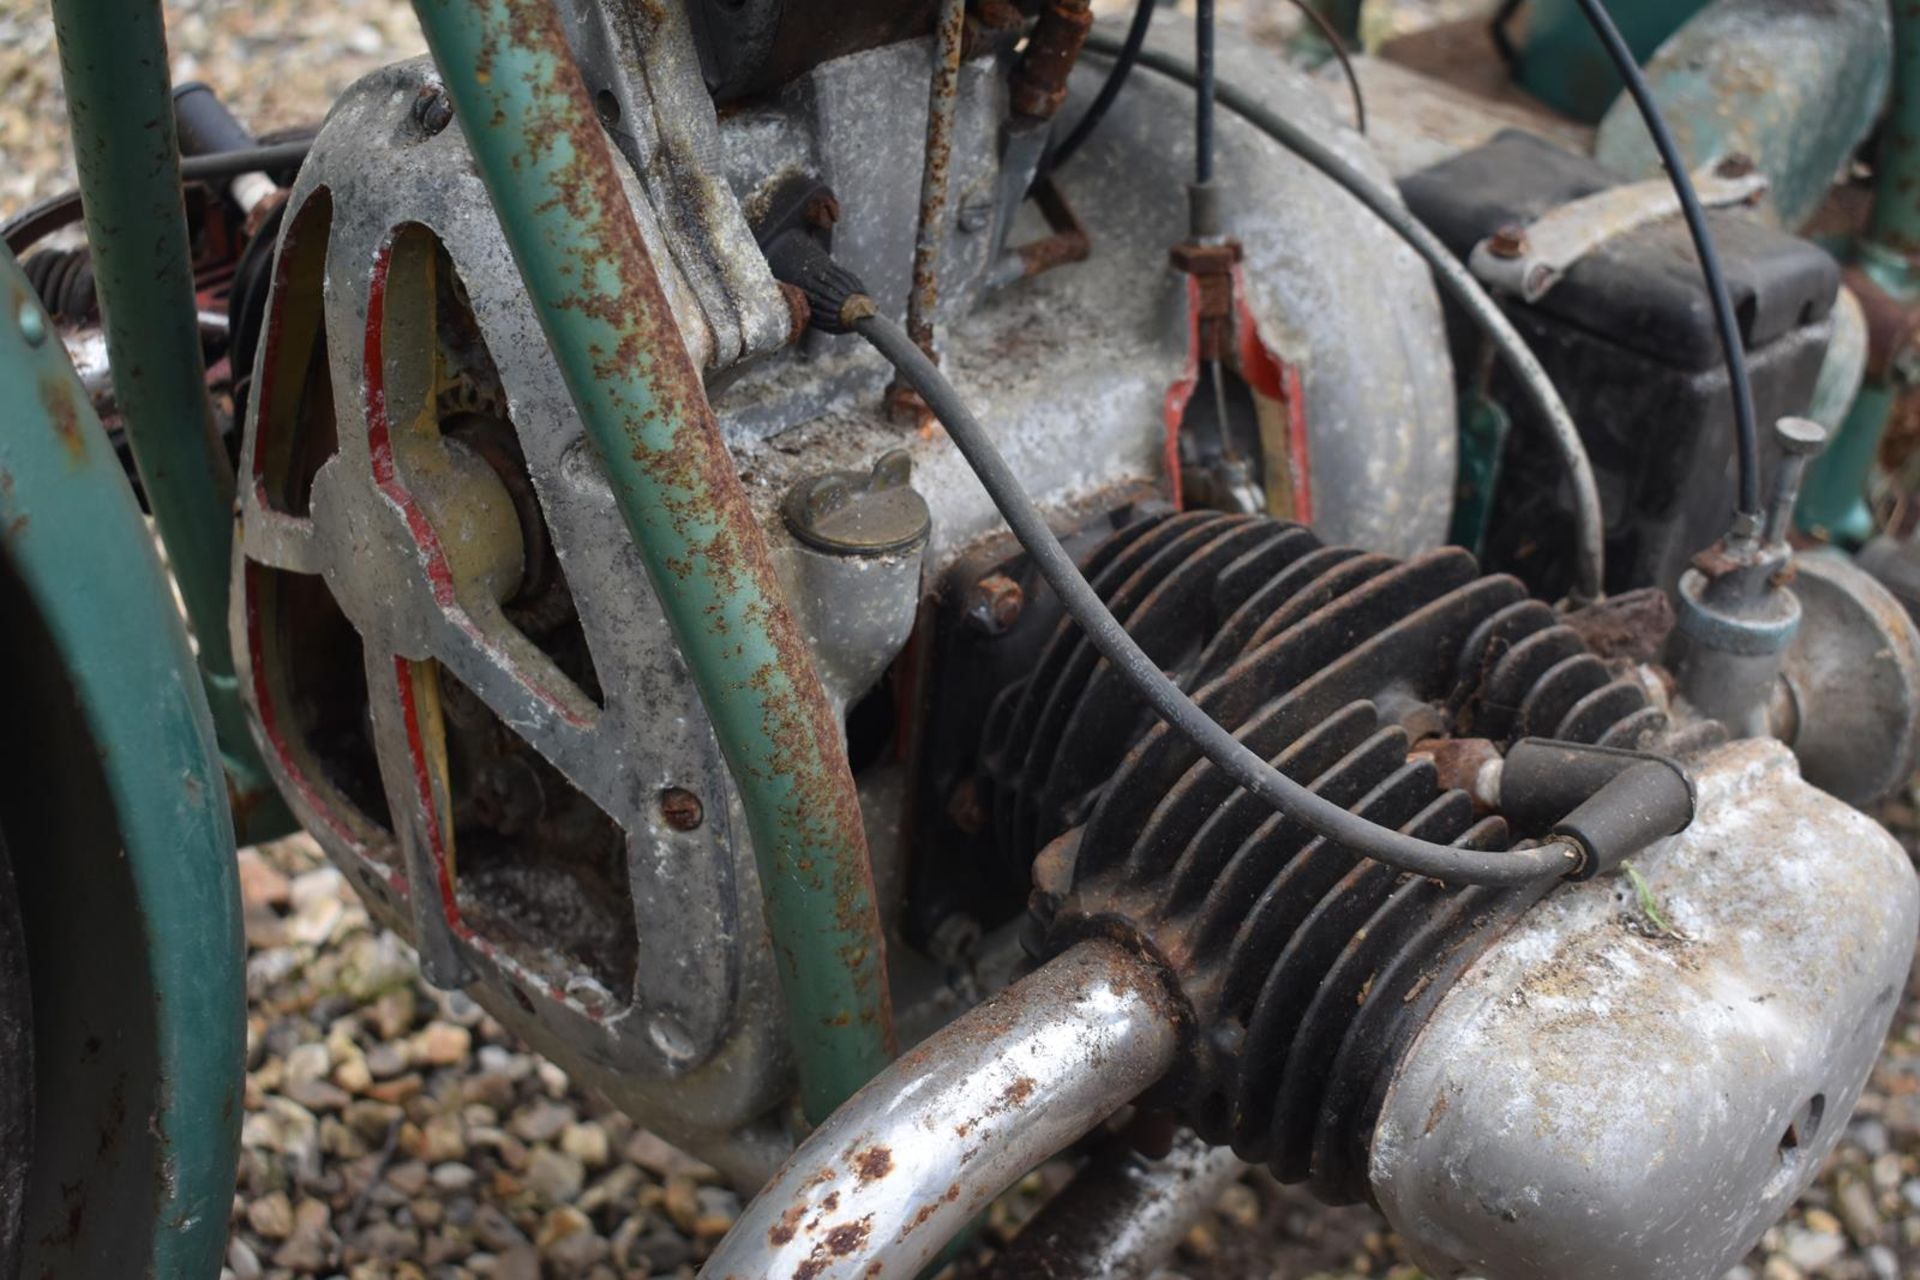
{"x": 878, "y": 1190}
{"x": 550, "y": 172}
{"x": 943, "y": 101}
{"x": 113, "y": 64}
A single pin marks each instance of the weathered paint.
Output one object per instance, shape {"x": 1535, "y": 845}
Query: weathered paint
{"x": 550, "y": 172}
{"x": 878, "y": 1190}
{"x": 113, "y": 62}
{"x": 75, "y": 538}
{"x": 1896, "y": 190}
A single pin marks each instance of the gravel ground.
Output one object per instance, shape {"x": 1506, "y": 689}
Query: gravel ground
{"x": 392, "y": 1131}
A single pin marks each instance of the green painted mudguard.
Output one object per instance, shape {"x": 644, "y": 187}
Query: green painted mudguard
{"x": 113, "y": 806}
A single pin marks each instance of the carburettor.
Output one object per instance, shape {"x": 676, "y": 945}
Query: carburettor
{"x": 459, "y": 671}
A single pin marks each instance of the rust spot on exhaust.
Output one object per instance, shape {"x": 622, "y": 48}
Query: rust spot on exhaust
{"x": 873, "y": 1164}
{"x": 843, "y": 1241}
{"x": 783, "y": 1231}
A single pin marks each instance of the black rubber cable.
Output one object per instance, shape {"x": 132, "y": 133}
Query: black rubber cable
{"x": 231, "y": 164}
{"x": 1203, "y": 100}
{"x": 1339, "y": 47}
{"x": 25, "y": 229}
{"x": 1746, "y": 429}
{"x": 1456, "y": 280}
{"x": 1109, "y": 89}
{"x": 1129, "y": 55}
{"x": 1347, "y": 829}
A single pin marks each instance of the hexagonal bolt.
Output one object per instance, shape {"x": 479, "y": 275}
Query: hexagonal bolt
{"x": 1509, "y": 241}
{"x": 1800, "y": 441}
{"x": 994, "y": 604}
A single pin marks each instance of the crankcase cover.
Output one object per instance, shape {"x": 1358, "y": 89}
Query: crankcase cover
{"x": 1641, "y": 1076}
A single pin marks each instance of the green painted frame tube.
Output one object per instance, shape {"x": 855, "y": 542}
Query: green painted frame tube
{"x": 1896, "y": 186}
{"x": 74, "y": 537}
{"x": 113, "y": 61}
{"x": 551, "y": 175}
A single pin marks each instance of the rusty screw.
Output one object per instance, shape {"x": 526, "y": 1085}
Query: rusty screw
{"x": 1509, "y": 241}
{"x": 432, "y": 110}
{"x": 964, "y": 808}
{"x": 681, "y": 808}
{"x": 994, "y": 604}
{"x": 822, "y": 210}
{"x": 799, "y": 310}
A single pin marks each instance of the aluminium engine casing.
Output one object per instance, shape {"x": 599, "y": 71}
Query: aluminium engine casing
{"x": 1602, "y": 1100}
{"x": 683, "y": 1026}
{"x": 1072, "y": 370}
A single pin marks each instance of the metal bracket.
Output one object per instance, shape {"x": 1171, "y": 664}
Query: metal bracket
{"x": 642, "y": 68}
{"x": 1529, "y": 261}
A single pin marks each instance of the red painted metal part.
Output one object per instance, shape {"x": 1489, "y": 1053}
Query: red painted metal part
{"x": 1265, "y": 372}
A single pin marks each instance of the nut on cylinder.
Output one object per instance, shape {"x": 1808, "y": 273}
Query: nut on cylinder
{"x": 994, "y": 604}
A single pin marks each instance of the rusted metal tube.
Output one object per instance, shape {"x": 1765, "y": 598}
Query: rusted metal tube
{"x": 942, "y": 102}
{"x": 1121, "y": 1218}
{"x": 878, "y": 1190}
{"x": 551, "y": 175}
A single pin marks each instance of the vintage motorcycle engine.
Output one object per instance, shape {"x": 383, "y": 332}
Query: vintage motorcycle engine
{"x": 460, "y": 673}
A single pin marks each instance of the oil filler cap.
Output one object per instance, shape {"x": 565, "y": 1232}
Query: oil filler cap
{"x": 852, "y": 513}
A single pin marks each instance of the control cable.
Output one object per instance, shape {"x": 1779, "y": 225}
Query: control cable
{"x": 1535, "y": 384}
{"x": 1746, "y": 429}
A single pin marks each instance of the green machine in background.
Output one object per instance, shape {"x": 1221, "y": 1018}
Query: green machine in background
{"x": 1563, "y": 63}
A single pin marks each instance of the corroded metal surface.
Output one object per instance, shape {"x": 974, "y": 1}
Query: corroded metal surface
{"x": 1122, "y": 1217}
{"x": 1896, "y": 206}
{"x": 1530, "y": 261}
{"x": 1072, "y": 367}
{"x": 551, "y": 175}
{"x": 942, "y": 101}
{"x": 1794, "y": 87}
{"x": 1853, "y": 678}
{"x": 1613, "y": 1093}
{"x": 878, "y": 1190}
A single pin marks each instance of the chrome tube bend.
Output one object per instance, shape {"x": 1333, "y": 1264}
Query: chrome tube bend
{"x": 878, "y": 1190}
